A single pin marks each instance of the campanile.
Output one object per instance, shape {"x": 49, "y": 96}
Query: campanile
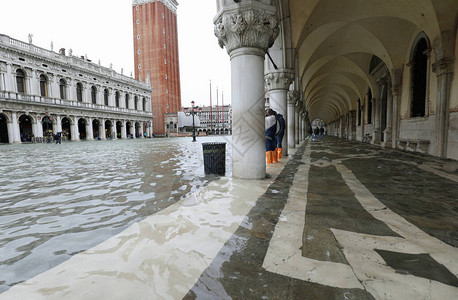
{"x": 156, "y": 55}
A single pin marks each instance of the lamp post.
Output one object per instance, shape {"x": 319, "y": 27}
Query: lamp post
{"x": 195, "y": 110}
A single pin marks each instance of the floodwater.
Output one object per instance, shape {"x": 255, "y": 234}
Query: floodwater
{"x": 59, "y": 200}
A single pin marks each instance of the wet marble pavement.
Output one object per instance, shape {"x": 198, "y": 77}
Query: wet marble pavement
{"x": 335, "y": 220}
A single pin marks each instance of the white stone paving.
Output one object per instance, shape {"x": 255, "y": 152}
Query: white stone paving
{"x": 367, "y": 269}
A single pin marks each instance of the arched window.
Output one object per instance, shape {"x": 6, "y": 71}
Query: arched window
{"x": 79, "y": 92}
{"x": 20, "y": 80}
{"x": 419, "y": 63}
{"x": 369, "y": 106}
{"x": 105, "y": 96}
{"x": 94, "y": 94}
{"x": 63, "y": 89}
{"x": 43, "y": 86}
{"x": 136, "y": 102}
{"x": 144, "y": 104}
{"x": 127, "y": 100}
{"x": 117, "y": 99}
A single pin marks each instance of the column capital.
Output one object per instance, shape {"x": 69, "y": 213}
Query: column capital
{"x": 444, "y": 66}
{"x": 293, "y": 96}
{"x": 279, "y": 79}
{"x": 249, "y": 25}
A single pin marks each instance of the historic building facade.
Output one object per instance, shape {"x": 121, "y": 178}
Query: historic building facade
{"x": 156, "y": 56}
{"x": 43, "y": 93}
{"x": 380, "y": 72}
{"x": 216, "y": 119}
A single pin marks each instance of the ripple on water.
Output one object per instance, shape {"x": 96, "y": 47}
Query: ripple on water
{"x": 80, "y": 194}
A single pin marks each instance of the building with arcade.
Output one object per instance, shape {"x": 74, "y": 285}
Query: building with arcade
{"x": 43, "y": 92}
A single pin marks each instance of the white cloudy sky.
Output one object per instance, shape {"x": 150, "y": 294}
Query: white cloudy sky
{"x": 102, "y": 29}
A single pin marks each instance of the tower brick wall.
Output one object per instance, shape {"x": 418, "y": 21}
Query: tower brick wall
{"x": 156, "y": 55}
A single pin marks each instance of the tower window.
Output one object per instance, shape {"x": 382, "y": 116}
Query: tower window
{"x": 139, "y": 52}
{"x": 136, "y": 7}
{"x": 138, "y": 21}
{"x": 139, "y": 67}
{"x": 163, "y": 30}
{"x": 165, "y": 61}
{"x": 138, "y": 37}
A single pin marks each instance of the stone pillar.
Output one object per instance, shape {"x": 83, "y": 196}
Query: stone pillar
{"x": 89, "y": 132}
{"x": 444, "y": 73}
{"x": 9, "y": 82}
{"x": 15, "y": 128}
{"x": 124, "y": 129}
{"x": 58, "y": 124}
{"x": 74, "y": 129}
{"x": 247, "y": 30}
{"x": 388, "y": 138}
{"x": 277, "y": 83}
{"x": 302, "y": 134}
{"x": 377, "y": 107}
{"x": 297, "y": 121}
{"x": 102, "y": 133}
{"x": 396, "y": 91}
{"x": 353, "y": 123}
{"x": 293, "y": 96}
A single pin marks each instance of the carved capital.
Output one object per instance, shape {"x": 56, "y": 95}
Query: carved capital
{"x": 247, "y": 27}
{"x": 443, "y": 66}
{"x": 279, "y": 80}
{"x": 293, "y": 96}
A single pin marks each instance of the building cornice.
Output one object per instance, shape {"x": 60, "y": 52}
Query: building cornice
{"x": 170, "y": 4}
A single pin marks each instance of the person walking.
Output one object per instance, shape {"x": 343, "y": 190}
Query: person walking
{"x": 271, "y": 129}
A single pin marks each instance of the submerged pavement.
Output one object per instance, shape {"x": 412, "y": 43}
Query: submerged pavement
{"x": 335, "y": 220}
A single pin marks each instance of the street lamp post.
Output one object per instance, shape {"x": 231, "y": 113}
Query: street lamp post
{"x": 195, "y": 110}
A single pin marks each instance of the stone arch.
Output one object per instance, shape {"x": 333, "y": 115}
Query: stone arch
{"x": 66, "y": 123}
{"x": 82, "y": 128}
{"x": 25, "y": 128}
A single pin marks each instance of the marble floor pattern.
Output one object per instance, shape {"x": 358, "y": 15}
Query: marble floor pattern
{"x": 334, "y": 220}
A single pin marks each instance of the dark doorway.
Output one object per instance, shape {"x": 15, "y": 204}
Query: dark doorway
{"x": 95, "y": 129}
{"x": 108, "y": 130}
{"x": 128, "y": 130}
{"x": 82, "y": 128}
{"x": 25, "y": 128}
{"x": 118, "y": 129}
{"x": 66, "y": 131}
{"x": 3, "y": 129}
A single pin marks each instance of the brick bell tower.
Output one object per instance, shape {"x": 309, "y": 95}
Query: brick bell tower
{"x": 156, "y": 55}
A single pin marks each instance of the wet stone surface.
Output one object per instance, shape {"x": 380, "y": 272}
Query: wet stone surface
{"x": 59, "y": 200}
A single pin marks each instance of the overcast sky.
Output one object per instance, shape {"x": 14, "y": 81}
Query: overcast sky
{"x": 102, "y": 29}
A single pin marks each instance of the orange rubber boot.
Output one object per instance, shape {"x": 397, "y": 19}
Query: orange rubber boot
{"x": 274, "y": 156}
{"x": 269, "y": 157}
{"x": 280, "y": 152}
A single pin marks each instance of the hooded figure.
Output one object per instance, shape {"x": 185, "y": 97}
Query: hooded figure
{"x": 271, "y": 129}
{"x": 280, "y": 134}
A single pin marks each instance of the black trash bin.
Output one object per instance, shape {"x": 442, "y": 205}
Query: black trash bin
{"x": 214, "y": 158}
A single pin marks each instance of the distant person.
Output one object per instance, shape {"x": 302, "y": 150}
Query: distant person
{"x": 310, "y": 133}
{"x": 271, "y": 129}
{"x": 321, "y": 132}
{"x": 315, "y": 133}
{"x": 280, "y": 134}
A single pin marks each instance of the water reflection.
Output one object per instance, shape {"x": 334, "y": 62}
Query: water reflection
{"x": 59, "y": 200}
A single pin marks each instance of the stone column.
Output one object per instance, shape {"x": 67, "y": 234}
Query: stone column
{"x": 102, "y": 133}
{"x": 15, "y": 128}
{"x": 74, "y": 129}
{"x": 396, "y": 91}
{"x": 293, "y": 96}
{"x": 9, "y": 82}
{"x": 124, "y": 129}
{"x": 298, "y": 121}
{"x": 389, "y": 118}
{"x": 277, "y": 83}
{"x": 58, "y": 122}
{"x": 89, "y": 132}
{"x": 444, "y": 73}
{"x": 247, "y": 30}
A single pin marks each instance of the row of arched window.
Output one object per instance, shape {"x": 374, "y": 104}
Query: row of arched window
{"x": 21, "y": 88}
